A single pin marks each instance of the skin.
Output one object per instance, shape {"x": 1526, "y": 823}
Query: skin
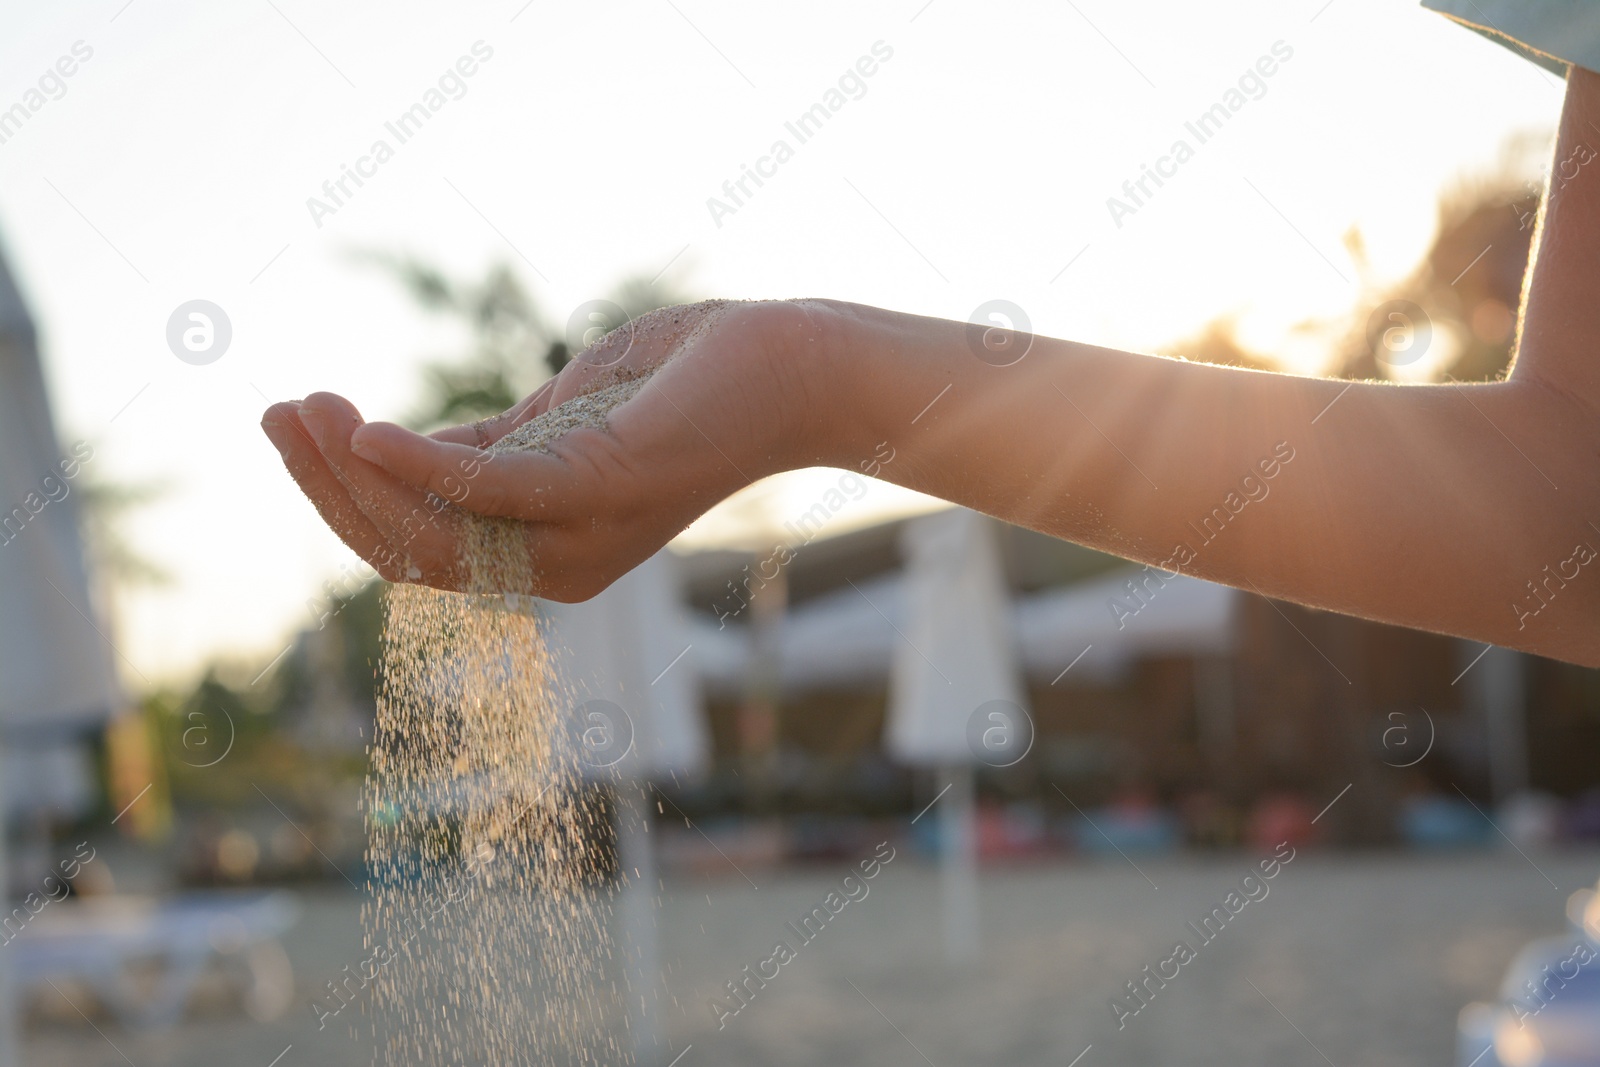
{"x": 1462, "y": 509}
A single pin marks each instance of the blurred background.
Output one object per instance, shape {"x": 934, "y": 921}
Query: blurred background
{"x": 197, "y": 218}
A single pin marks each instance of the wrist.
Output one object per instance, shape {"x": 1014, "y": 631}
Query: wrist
{"x": 883, "y": 367}
{"x": 888, "y": 373}
{"x": 822, "y": 362}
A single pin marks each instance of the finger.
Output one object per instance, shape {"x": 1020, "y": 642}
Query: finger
{"x": 417, "y": 526}
{"x": 520, "y": 485}
{"x": 327, "y": 493}
{"x": 656, "y": 447}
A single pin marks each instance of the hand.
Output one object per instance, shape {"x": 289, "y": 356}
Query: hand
{"x": 737, "y": 394}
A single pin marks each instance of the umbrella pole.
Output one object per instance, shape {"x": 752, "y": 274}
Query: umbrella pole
{"x": 8, "y": 987}
{"x": 642, "y": 956}
{"x": 1501, "y": 690}
{"x": 958, "y": 863}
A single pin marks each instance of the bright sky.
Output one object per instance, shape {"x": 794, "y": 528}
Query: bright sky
{"x": 178, "y": 161}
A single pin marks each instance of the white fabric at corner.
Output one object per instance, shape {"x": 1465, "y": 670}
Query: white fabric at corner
{"x": 1552, "y": 33}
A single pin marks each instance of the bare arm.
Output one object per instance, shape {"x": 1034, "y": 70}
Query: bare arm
{"x": 1471, "y": 510}
{"x": 1427, "y": 506}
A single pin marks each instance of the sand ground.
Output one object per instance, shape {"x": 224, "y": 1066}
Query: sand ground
{"x": 1348, "y": 959}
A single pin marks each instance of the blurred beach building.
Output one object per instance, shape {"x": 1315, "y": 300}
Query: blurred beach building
{"x": 1147, "y": 683}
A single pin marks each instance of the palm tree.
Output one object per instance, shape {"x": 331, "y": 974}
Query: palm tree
{"x": 1469, "y": 283}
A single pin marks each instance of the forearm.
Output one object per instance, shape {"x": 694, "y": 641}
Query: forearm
{"x": 1427, "y": 506}
{"x": 1561, "y": 314}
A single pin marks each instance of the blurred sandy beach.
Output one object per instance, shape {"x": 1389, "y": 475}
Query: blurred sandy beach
{"x": 1369, "y": 955}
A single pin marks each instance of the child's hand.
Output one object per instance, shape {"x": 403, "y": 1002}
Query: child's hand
{"x": 732, "y": 401}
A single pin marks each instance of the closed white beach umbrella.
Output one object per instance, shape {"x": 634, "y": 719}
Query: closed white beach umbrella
{"x": 955, "y": 693}
{"x": 958, "y": 652}
{"x": 56, "y": 674}
{"x": 632, "y": 647}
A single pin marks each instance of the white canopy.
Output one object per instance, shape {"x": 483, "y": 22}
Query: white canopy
{"x": 847, "y": 637}
{"x": 955, "y": 651}
{"x": 843, "y": 638}
{"x": 56, "y": 674}
{"x": 1178, "y": 615}
{"x": 633, "y": 647}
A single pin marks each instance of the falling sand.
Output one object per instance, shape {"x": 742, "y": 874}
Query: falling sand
{"x": 491, "y": 852}
{"x": 488, "y": 848}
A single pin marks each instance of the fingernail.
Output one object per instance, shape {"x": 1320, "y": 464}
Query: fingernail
{"x": 272, "y": 418}
{"x": 273, "y": 428}
{"x": 365, "y": 450}
{"x": 316, "y": 424}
